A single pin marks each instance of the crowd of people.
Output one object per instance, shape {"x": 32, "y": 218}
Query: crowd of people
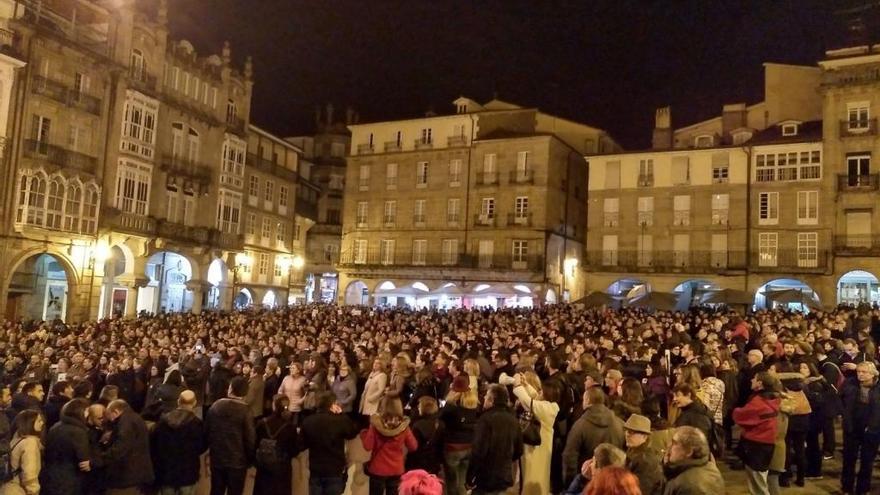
{"x": 551, "y": 400}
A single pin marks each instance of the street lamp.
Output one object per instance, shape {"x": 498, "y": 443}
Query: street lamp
{"x": 242, "y": 260}
{"x": 98, "y": 255}
{"x": 297, "y": 262}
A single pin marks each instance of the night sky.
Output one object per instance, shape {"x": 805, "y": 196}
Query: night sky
{"x": 604, "y": 63}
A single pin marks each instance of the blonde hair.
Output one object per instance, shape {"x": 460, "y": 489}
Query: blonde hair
{"x": 532, "y": 380}
{"x": 467, "y": 400}
{"x": 472, "y": 367}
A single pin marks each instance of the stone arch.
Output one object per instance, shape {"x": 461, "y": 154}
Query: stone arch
{"x": 37, "y": 294}
{"x": 623, "y": 286}
{"x": 356, "y": 293}
{"x": 809, "y": 297}
{"x": 857, "y": 287}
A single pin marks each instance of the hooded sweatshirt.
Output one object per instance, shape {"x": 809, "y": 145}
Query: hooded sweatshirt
{"x": 597, "y": 425}
{"x": 178, "y": 441}
{"x": 386, "y": 439}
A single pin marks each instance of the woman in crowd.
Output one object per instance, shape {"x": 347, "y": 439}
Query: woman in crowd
{"x": 613, "y": 480}
{"x": 294, "y": 387}
{"x": 823, "y": 401}
{"x": 798, "y": 424}
{"x": 760, "y": 427}
{"x": 25, "y": 458}
{"x": 429, "y": 433}
{"x": 630, "y": 398}
{"x": 388, "y": 438}
{"x": 373, "y": 390}
{"x": 345, "y": 388}
{"x": 543, "y": 403}
{"x": 276, "y": 446}
{"x": 459, "y": 417}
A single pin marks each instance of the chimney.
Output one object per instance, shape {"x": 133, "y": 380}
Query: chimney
{"x": 733, "y": 116}
{"x": 662, "y": 138}
{"x": 329, "y": 114}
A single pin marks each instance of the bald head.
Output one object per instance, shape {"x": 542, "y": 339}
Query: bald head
{"x": 96, "y": 415}
{"x": 187, "y": 400}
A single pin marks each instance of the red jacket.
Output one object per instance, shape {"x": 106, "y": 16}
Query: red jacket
{"x": 758, "y": 418}
{"x": 385, "y": 443}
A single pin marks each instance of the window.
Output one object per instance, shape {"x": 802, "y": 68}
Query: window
{"x": 765, "y": 170}
{"x": 419, "y": 212}
{"x": 811, "y": 164}
{"x": 54, "y": 204}
{"x": 32, "y": 198}
{"x": 487, "y": 209}
{"x": 426, "y": 136}
{"x": 80, "y": 84}
{"x": 720, "y": 209}
{"x": 333, "y": 216}
{"x": 789, "y": 129}
{"x": 719, "y": 251}
{"x": 646, "y": 211}
{"x": 140, "y": 115}
{"x": 704, "y": 141}
{"x": 390, "y": 213}
{"x": 78, "y": 139}
{"x": 681, "y": 170}
{"x": 807, "y": 207}
{"x": 786, "y": 166}
{"x": 231, "y": 112}
{"x": 233, "y": 163}
{"x": 251, "y": 224}
{"x": 386, "y": 251}
{"x": 40, "y": 131}
{"x": 859, "y": 170}
{"x": 454, "y": 173}
{"x": 612, "y": 175}
{"x": 422, "y": 174}
{"x": 253, "y": 190}
{"x": 767, "y": 245}
{"x": 172, "y": 207}
{"x": 520, "y": 251}
{"x": 266, "y": 228}
{"x": 360, "y": 251}
{"x": 858, "y": 115}
{"x": 646, "y": 173}
{"x": 450, "y": 251}
{"x": 193, "y": 146}
{"x": 453, "y": 210}
{"x": 808, "y": 249}
{"x": 269, "y": 194}
{"x": 72, "y": 207}
{"x": 331, "y": 252}
{"x": 229, "y": 211}
{"x": 611, "y": 212}
{"x": 362, "y": 209}
{"x": 391, "y": 176}
{"x": 283, "y": 196}
{"x": 522, "y": 165}
{"x": 133, "y": 187}
{"x": 263, "y": 264}
{"x": 138, "y": 65}
{"x": 419, "y": 251}
{"x": 364, "y": 178}
{"x": 90, "y": 210}
{"x": 681, "y": 249}
{"x": 768, "y": 208}
{"x": 681, "y": 211}
{"x": 609, "y": 250}
{"x": 645, "y": 249}
{"x": 720, "y": 167}
{"x": 280, "y": 232}
{"x": 489, "y": 172}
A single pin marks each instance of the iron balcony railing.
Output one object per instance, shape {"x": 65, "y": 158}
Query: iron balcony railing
{"x": 392, "y": 146}
{"x": 856, "y": 128}
{"x": 456, "y": 141}
{"x": 521, "y": 177}
{"x": 857, "y": 245}
{"x": 63, "y": 93}
{"x": 270, "y": 167}
{"x": 857, "y": 183}
{"x": 423, "y": 144}
{"x": 60, "y": 157}
{"x": 487, "y": 178}
{"x": 484, "y": 220}
{"x": 181, "y": 167}
{"x": 519, "y": 219}
{"x": 377, "y": 258}
{"x": 364, "y": 149}
{"x": 780, "y": 260}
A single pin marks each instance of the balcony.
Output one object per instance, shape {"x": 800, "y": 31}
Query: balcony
{"x": 142, "y": 81}
{"x": 129, "y": 222}
{"x": 789, "y": 261}
{"x": 423, "y": 144}
{"x": 321, "y": 257}
{"x": 484, "y": 220}
{"x": 646, "y": 180}
{"x": 225, "y": 240}
{"x": 666, "y": 261}
{"x": 487, "y": 178}
{"x": 456, "y": 141}
{"x": 857, "y": 183}
{"x": 270, "y": 167}
{"x": 857, "y": 245}
{"x": 521, "y": 177}
{"x": 60, "y": 157}
{"x": 392, "y": 146}
{"x": 858, "y": 128}
{"x": 62, "y": 93}
{"x": 364, "y": 149}
{"x": 307, "y": 209}
{"x": 7, "y": 43}
{"x": 519, "y": 219}
{"x": 419, "y": 220}
{"x": 235, "y": 125}
{"x": 77, "y": 22}
{"x": 182, "y": 233}
{"x": 180, "y": 167}
{"x": 373, "y": 259}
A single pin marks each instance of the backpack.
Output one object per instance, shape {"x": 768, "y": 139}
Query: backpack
{"x": 841, "y": 378}
{"x": 7, "y": 474}
{"x": 270, "y": 456}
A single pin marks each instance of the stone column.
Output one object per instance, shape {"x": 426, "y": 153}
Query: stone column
{"x": 199, "y": 288}
{"x": 133, "y": 284}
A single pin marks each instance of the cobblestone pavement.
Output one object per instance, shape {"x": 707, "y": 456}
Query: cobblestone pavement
{"x": 735, "y": 480}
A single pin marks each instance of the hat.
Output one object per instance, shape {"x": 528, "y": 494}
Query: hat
{"x": 461, "y": 384}
{"x": 638, "y": 424}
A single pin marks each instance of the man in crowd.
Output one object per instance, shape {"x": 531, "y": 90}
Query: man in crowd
{"x": 178, "y": 443}
{"x": 232, "y": 439}
{"x": 641, "y": 458}
{"x": 324, "y": 434}
{"x": 688, "y": 467}
{"x": 128, "y": 468}
{"x": 598, "y": 424}
{"x": 497, "y": 445}
{"x": 861, "y": 428}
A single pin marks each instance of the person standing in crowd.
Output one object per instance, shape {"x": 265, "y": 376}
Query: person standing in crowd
{"x": 277, "y": 445}
{"x": 692, "y": 412}
{"x": 67, "y": 457}
{"x": 497, "y": 445}
{"x": 598, "y": 424}
{"x": 386, "y": 438}
{"x": 861, "y": 428}
{"x": 645, "y": 462}
{"x": 177, "y": 444}
{"x": 231, "y": 438}
{"x": 429, "y": 433}
{"x": 345, "y": 388}
{"x": 759, "y": 423}
{"x": 25, "y": 459}
{"x": 688, "y": 466}
{"x": 294, "y": 387}
{"x": 256, "y": 388}
{"x": 128, "y": 468}
{"x": 541, "y": 402}
{"x": 271, "y": 382}
{"x": 375, "y": 387}
{"x": 324, "y": 435}
{"x": 62, "y": 392}
{"x": 29, "y": 398}
{"x": 459, "y": 417}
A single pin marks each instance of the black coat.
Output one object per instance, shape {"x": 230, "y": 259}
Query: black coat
{"x": 283, "y": 431}
{"x": 850, "y": 397}
{"x": 695, "y": 414}
{"x": 429, "y": 433}
{"x": 52, "y": 409}
{"x": 324, "y": 435}
{"x": 497, "y": 443}
{"x": 125, "y": 381}
{"x": 178, "y": 441}
{"x": 218, "y": 383}
{"x": 67, "y": 444}
{"x": 127, "y": 458}
{"x": 231, "y": 434}
{"x": 163, "y": 400}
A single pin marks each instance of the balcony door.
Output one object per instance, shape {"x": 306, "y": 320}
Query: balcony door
{"x": 858, "y": 229}
{"x": 486, "y": 250}
{"x": 859, "y": 170}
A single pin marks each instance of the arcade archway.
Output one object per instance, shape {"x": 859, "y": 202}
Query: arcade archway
{"x": 691, "y": 292}
{"x": 787, "y": 293}
{"x": 858, "y": 287}
{"x": 39, "y": 289}
{"x": 628, "y": 288}
{"x": 357, "y": 293}
{"x": 269, "y": 299}
{"x": 166, "y": 292}
{"x": 243, "y": 299}
{"x": 217, "y": 274}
